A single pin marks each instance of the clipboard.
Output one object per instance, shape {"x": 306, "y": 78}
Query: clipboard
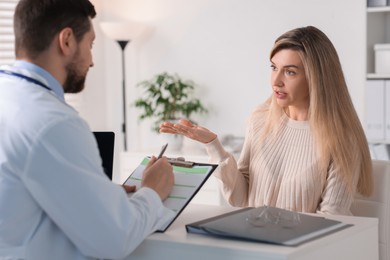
{"x": 189, "y": 178}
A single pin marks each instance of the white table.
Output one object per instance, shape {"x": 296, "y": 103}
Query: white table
{"x": 357, "y": 242}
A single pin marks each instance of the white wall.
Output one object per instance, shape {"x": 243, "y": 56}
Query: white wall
{"x": 223, "y": 45}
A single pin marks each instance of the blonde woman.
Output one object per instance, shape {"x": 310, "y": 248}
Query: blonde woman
{"x": 305, "y": 149}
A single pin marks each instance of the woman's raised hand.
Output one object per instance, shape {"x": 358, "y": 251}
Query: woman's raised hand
{"x": 187, "y": 129}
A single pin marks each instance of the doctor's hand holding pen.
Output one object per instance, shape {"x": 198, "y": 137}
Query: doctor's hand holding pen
{"x": 158, "y": 176}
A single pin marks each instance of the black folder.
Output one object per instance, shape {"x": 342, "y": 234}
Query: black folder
{"x": 239, "y": 225}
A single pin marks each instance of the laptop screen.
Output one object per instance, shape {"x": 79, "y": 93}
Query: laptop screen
{"x": 106, "y": 141}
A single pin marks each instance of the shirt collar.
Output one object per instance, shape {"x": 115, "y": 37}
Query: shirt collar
{"x": 53, "y": 83}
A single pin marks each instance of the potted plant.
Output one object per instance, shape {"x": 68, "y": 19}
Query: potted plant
{"x": 166, "y": 97}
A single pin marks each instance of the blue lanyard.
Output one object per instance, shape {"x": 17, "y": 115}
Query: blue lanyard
{"x": 29, "y": 79}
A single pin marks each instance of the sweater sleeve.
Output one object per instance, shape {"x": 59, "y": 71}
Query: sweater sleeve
{"x": 337, "y": 196}
{"x": 234, "y": 177}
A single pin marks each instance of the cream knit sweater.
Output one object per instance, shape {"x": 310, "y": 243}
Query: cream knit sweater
{"x": 280, "y": 173}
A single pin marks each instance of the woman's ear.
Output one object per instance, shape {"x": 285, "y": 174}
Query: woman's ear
{"x": 67, "y": 42}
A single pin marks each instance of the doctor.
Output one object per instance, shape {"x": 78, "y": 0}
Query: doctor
{"x": 55, "y": 200}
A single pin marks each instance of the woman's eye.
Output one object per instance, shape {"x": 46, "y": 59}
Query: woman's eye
{"x": 290, "y": 72}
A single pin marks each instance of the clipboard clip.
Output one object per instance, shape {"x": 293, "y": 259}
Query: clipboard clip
{"x": 180, "y": 161}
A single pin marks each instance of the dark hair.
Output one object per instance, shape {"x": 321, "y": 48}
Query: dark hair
{"x": 36, "y": 22}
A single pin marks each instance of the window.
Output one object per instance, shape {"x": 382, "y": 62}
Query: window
{"x": 7, "y": 55}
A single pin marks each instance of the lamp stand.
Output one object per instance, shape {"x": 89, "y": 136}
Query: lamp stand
{"x": 122, "y": 45}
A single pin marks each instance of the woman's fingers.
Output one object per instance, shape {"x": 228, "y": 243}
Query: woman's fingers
{"x": 185, "y": 122}
{"x": 187, "y": 129}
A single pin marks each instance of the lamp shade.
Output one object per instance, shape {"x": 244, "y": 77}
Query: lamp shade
{"x": 121, "y": 31}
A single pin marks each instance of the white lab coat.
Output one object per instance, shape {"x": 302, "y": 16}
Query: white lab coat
{"x": 55, "y": 200}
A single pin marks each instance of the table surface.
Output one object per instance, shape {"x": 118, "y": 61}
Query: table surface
{"x": 357, "y": 242}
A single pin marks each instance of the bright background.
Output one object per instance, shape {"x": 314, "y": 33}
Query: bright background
{"x": 222, "y": 45}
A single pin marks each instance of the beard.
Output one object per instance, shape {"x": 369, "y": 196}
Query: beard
{"x": 75, "y": 81}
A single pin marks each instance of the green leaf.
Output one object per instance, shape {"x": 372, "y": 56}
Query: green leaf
{"x": 166, "y": 96}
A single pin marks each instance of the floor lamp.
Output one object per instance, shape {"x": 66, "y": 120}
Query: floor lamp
{"x": 122, "y": 33}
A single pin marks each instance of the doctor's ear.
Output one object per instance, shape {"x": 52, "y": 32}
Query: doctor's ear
{"x": 67, "y": 41}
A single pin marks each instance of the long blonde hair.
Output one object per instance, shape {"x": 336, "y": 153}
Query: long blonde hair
{"x": 336, "y": 127}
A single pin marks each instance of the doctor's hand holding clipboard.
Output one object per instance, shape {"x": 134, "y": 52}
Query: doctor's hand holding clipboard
{"x": 188, "y": 179}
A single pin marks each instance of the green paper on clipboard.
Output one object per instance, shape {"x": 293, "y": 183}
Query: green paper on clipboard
{"x": 188, "y": 181}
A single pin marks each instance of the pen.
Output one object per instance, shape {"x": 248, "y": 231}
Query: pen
{"x": 162, "y": 151}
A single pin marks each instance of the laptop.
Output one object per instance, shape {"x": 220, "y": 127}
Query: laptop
{"x": 106, "y": 141}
